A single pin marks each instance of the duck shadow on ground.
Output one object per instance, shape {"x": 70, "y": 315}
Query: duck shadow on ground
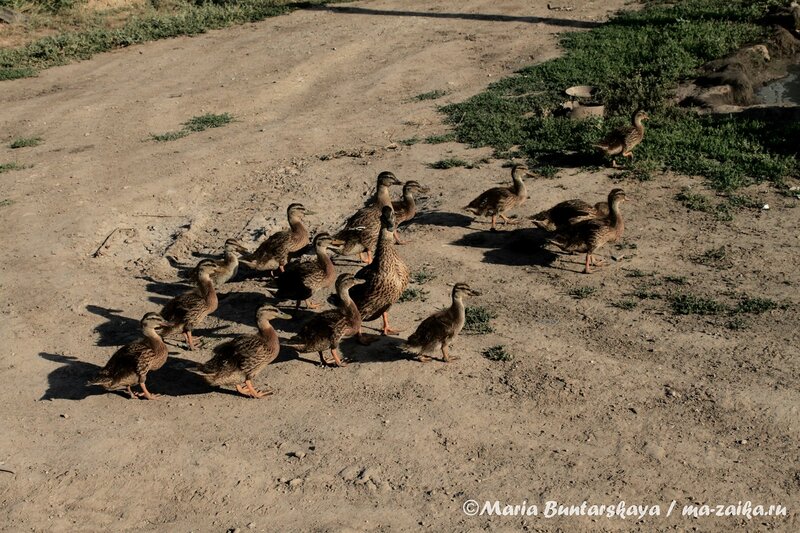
{"x": 69, "y": 381}
{"x": 517, "y": 247}
{"x": 117, "y": 329}
{"x": 443, "y": 218}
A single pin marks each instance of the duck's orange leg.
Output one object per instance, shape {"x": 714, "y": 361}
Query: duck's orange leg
{"x": 446, "y": 354}
{"x": 494, "y": 222}
{"x": 586, "y": 269}
{"x": 189, "y": 339}
{"x": 386, "y": 329}
{"x": 146, "y": 393}
{"x": 336, "y": 358}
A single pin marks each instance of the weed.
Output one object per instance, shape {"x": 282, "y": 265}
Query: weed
{"x": 546, "y": 171}
{"x": 6, "y": 202}
{"x": 169, "y": 136}
{"x": 689, "y": 304}
{"x": 430, "y": 95}
{"x": 694, "y": 201}
{"x": 579, "y": 293}
{"x": 24, "y": 142}
{"x": 677, "y": 280}
{"x": 636, "y": 273}
{"x": 626, "y": 304}
{"x": 422, "y": 276}
{"x": 439, "y": 139}
{"x": 478, "y": 320}
{"x": 755, "y": 306}
{"x": 413, "y": 293}
{"x": 5, "y": 167}
{"x": 497, "y": 353}
{"x": 715, "y": 257}
{"x": 207, "y": 121}
{"x": 448, "y": 163}
{"x": 410, "y": 141}
{"x": 644, "y": 293}
{"x": 736, "y": 324}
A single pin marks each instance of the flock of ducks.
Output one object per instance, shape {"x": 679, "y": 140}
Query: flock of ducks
{"x": 371, "y": 232}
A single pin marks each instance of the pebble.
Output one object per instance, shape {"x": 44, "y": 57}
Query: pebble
{"x": 299, "y": 455}
{"x": 296, "y": 482}
{"x": 65, "y": 415}
{"x": 350, "y": 473}
{"x": 251, "y": 525}
{"x": 367, "y": 474}
{"x": 766, "y": 207}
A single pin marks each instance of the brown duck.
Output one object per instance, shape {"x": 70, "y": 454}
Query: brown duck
{"x": 239, "y": 360}
{"x": 227, "y": 266}
{"x": 302, "y": 279}
{"x": 571, "y": 212}
{"x": 325, "y": 330}
{"x": 439, "y": 329}
{"x": 130, "y": 364}
{"x": 386, "y": 278}
{"x": 496, "y": 202}
{"x": 406, "y": 208}
{"x": 624, "y": 139}
{"x": 360, "y": 233}
{"x": 274, "y": 253}
{"x": 591, "y": 235}
{"x": 185, "y": 312}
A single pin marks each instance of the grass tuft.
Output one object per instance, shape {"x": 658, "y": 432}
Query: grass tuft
{"x": 207, "y": 121}
{"x": 422, "y": 276}
{"x": 6, "y": 167}
{"x": 430, "y": 95}
{"x": 448, "y": 163}
{"x": 755, "y": 306}
{"x": 626, "y": 304}
{"x": 412, "y": 294}
{"x": 439, "y": 139}
{"x": 169, "y": 136}
{"x": 580, "y": 293}
{"x": 24, "y": 142}
{"x": 689, "y": 304}
{"x": 478, "y": 320}
{"x": 497, "y": 353}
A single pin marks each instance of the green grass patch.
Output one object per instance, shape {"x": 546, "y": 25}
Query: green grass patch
{"x": 410, "y": 141}
{"x": 207, "y": 121}
{"x": 6, "y": 167}
{"x": 579, "y": 293}
{"x": 181, "y": 18}
{"x": 694, "y": 201}
{"x": 412, "y": 294}
{"x": 169, "y": 136}
{"x": 422, "y": 276}
{"x": 430, "y": 95}
{"x": 755, "y": 306}
{"x": 439, "y": 139}
{"x": 625, "y": 304}
{"x": 25, "y": 142}
{"x": 478, "y": 320}
{"x": 5, "y": 202}
{"x": 636, "y": 60}
{"x": 677, "y": 280}
{"x": 715, "y": 257}
{"x": 497, "y": 353}
{"x": 443, "y": 164}
{"x": 690, "y": 304}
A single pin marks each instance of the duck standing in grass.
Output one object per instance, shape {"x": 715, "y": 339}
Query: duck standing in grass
{"x": 187, "y": 311}
{"x": 406, "y": 208}
{"x": 302, "y": 279}
{"x": 325, "y": 330}
{"x": 624, "y": 139}
{"x": 498, "y": 201}
{"x": 439, "y": 329}
{"x": 130, "y": 364}
{"x": 591, "y": 235}
{"x": 360, "y": 233}
{"x": 273, "y": 254}
{"x": 239, "y": 360}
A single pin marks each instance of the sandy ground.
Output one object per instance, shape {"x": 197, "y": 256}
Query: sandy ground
{"x": 599, "y": 403}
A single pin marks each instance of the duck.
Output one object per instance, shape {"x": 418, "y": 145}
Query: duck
{"x": 186, "y": 311}
{"x": 498, "y": 201}
{"x": 273, "y": 254}
{"x": 591, "y": 235}
{"x": 130, "y": 364}
{"x": 440, "y": 328}
{"x": 239, "y": 360}
{"x": 326, "y": 330}
{"x": 569, "y": 212}
{"x": 360, "y": 232}
{"x": 385, "y": 278}
{"x": 301, "y": 279}
{"x": 227, "y": 266}
{"x": 406, "y": 208}
{"x": 624, "y": 139}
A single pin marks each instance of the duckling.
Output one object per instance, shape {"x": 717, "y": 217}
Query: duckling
{"x": 386, "y": 278}
{"x": 326, "y": 330}
{"x": 274, "y": 253}
{"x": 227, "y": 266}
{"x": 239, "y": 360}
{"x": 439, "y": 329}
{"x": 591, "y": 235}
{"x": 130, "y": 364}
{"x": 406, "y": 209}
{"x": 360, "y": 232}
{"x": 499, "y": 200}
{"x": 302, "y": 279}
{"x": 568, "y": 213}
{"x": 186, "y": 311}
{"x": 624, "y": 139}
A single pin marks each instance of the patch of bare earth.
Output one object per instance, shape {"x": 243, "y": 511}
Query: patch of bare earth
{"x": 599, "y": 403}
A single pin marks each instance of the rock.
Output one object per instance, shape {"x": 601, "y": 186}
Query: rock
{"x": 251, "y": 525}
{"x": 296, "y": 482}
{"x": 350, "y": 473}
{"x": 299, "y": 455}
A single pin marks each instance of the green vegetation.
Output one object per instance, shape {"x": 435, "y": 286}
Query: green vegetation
{"x": 180, "y": 17}
{"x": 580, "y": 293}
{"x": 478, "y": 320}
{"x": 626, "y": 304}
{"x": 413, "y": 293}
{"x": 694, "y": 201}
{"x": 755, "y": 306}
{"x": 439, "y": 139}
{"x": 636, "y": 60}
{"x": 689, "y": 304}
{"x": 24, "y": 142}
{"x": 430, "y": 95}
{"x": 497, "y": 353}
{"x": 448, "y": 163}
{"x": 5, "y": 202}
{"x": 422, "y": 276}
{"x": 677, "y": 280}
{"x": 5, "y": 167}
{"x": 715, "y": 257}
{"x": 199, "y": 123}
{"x": 410, "y": 141}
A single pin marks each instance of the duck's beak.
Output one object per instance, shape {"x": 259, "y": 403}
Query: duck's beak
{"x": 473, "y": 292}
{"x": 309, "y": 212}
{"x": 285, "y": 316}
